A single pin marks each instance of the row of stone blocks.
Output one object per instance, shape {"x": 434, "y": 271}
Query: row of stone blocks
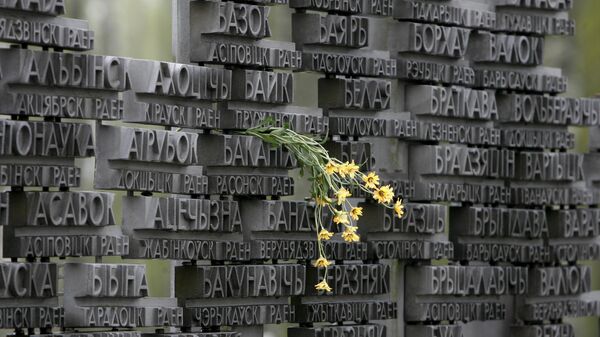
{"x": 117, "y": 295}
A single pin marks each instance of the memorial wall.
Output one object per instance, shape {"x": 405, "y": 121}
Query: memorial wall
{"x": 447, "y": 101}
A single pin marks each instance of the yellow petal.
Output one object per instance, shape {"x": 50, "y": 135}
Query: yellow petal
{"x": 322, "y": 201}
{"x": 371, "y": 180}
{"x": 331, "y": 168}
{"x": 356, "y": 212}
{"x": 350, "y": 236}
{"x": 399, "y": 208}
{"x": 323, "y": 286}
{"x": 341, "y": 218}
{"x": 325, "y": 234}
{"x": 341, "y": 195}
{"x": 322, "y": 263}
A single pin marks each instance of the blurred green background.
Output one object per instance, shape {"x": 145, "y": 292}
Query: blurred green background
{"x": 142, "y": 29}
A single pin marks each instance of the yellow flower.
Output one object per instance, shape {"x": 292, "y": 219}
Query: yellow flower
{"x": 341, "y": 195}
{"x": 331, "y": 168}
{"x": 349, "y": 235}
{"x": 322, "y": 263}
{"x": 371, "y": 180}
{"x": 352, "y": 229}
{"x": 322, "y": 201}
{"x": 323, "y": 286}
{"x": 351, "y": 168}
{"x": 384, "y": 194}
{"x": 399, "y": 208}
{"x": 325, "y": 234}
{"x": 356, "y": 212}
{"x": 341, "y": 218}
{"x": 343, "y": 169}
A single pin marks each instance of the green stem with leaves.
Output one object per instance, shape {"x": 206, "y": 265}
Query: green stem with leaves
{"x": 327, "y": 176}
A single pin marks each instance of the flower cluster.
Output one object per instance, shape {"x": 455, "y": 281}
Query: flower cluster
{"x": 331, "y": 183}
{"x": 337, "y": 177}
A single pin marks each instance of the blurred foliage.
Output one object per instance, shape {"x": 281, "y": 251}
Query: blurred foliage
{"x": 132, "y": 28}
{"x": 583, "y": 60}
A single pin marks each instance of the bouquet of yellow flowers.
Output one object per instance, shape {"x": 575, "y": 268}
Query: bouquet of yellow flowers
{"x": 331, "y": 182}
